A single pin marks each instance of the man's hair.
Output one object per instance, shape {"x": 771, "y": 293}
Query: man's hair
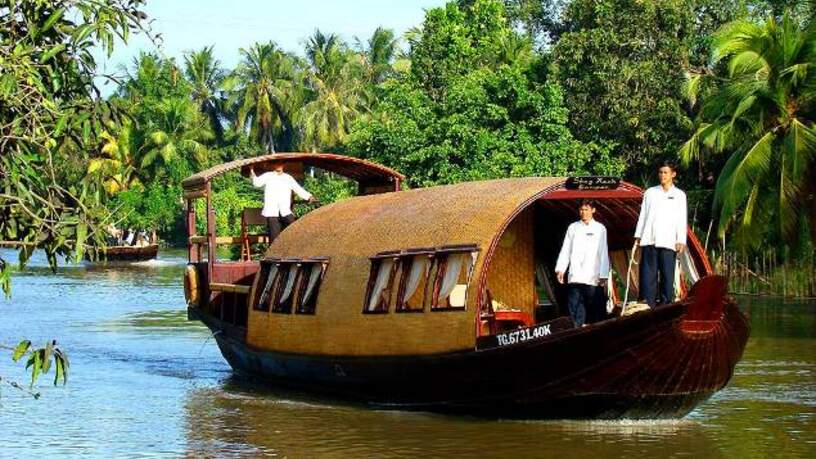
{"x": 587, "y": 202}
{"x": 667, "y": 163}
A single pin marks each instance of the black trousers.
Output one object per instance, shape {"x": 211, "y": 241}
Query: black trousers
{"x": 656, "y": 275}
{"x": 586, "y": 304}
{"x": 277, "y": 224}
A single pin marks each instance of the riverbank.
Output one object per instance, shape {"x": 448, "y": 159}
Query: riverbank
{"x": 765, "y": 275}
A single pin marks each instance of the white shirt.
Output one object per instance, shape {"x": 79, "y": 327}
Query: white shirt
{"x": 663, "y": 219}
{"x": 278, "y": 190}
{"x": 585, "y": 253}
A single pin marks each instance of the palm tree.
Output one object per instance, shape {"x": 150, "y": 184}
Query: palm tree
{"x": 264, "y": 87}
{"x": 116, "y": 166}
{"x": 336, "y": 83}
{"x": 178, "y": 130}
{"x": 378, "y": 54}
{"x": 761, "y": 112}
{"x": 206, "y": 76}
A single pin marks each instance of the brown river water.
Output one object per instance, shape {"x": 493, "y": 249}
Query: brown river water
{"x": 145, "y": 382}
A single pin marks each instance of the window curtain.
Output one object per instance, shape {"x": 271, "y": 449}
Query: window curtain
{"x": 383, "y": 275}
{"x": 290, "y": 282}
{"x": 419, "y": 269}
{"x": 452, "y": 270}
{"x": 273, "y": 271}
{"x": 314, "y": 275}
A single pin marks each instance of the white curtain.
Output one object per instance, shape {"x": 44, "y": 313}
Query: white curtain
{"x": 314, "y": 275}
{"x": 383, "y": 275}
{"x": 273, "y": 271}
{"x": 419, "y": 269}
{"x": 452, "y": 270}
{"x": 290, "y": 282}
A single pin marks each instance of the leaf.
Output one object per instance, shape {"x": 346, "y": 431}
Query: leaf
{"x": 82, "y": 32}
{"x": 47, "y": 354}
{"x": 20, "y": 350}
{"x": 81, "y": 236}
{"x": 52, "y": 52}
{"x": 55, "y": 16}
{"x": 59, "y": 371}
{"x": 36, "y": 366}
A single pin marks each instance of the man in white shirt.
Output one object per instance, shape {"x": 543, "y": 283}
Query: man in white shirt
{"x": 661, "y": 235}
{"x": 585, "y": 253}
{"x": 278, "y": 187}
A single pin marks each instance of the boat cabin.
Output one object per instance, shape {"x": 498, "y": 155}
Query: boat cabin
{"x": 427, "y": 271}
{"x": 221, "y": 286}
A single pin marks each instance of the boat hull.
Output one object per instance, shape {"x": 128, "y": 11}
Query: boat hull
{"x": 651, "y": 365}
{"x": 131, "y": 253}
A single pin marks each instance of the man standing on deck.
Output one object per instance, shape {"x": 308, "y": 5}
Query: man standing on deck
{"x": 278, "y": 187}
{"x": 661, "y": 235}
{"x": 585, "y": 253}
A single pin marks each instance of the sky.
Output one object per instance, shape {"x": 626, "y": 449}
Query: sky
{"x": 229, "y": 25}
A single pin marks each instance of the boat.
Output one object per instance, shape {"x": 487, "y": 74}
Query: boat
{"x": 130, "y": 253}
{"x": 442, "y": 299}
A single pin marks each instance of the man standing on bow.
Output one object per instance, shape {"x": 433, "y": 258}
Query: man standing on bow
{"x": 661, "y": 235}
{"x": 585, "y": 253}
{"x": 278, "y": 187}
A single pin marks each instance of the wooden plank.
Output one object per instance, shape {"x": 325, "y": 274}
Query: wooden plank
{"x": 195, "y": 194}
{"x": 233, "y": 288}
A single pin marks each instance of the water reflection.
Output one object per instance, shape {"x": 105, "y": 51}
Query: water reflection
{"x": 245, "y": 418}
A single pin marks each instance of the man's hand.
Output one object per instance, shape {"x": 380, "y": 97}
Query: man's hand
{"x": 679, "y": 248}
{"x": 602, "y": 283}
{"x": 560, "y": 277}
{"x": 312, "y": 199}
{"x": 251, "y": 171}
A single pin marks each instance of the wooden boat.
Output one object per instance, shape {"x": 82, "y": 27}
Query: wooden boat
{"x": 130, "y": 253}
{"x": 442, "y": 299}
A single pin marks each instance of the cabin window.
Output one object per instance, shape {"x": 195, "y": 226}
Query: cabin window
{"x": 414, "y": 282}
{"x": 284, "y": 297}
{"x": 380, "y": 284}
{"x": 266, "y": 285}
{"x": 451, "y": 280}
{"x": 312, "y": 275}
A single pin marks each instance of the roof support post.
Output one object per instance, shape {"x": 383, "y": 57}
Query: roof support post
{"x": 192, "y": 249}
{"x": 210, "y": 232}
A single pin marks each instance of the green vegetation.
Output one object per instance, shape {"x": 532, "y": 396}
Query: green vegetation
{"x": 760, "y": 109}
{"x": 480, "y": 89}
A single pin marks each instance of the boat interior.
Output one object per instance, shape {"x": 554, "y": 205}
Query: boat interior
{"x": 521, "y": 288}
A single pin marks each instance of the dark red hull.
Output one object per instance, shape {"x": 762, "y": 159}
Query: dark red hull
{"x": 658, "y": 364}
{"x": 131, "y": 253}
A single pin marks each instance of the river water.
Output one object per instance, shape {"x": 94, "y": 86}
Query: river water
{"x": 145, "y": 382}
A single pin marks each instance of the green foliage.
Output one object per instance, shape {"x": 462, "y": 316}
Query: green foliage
{"x": 621, "y": 65}
{"x": 39, "y": 360}
{"x": 464, "y": 117}
{"x": 265, "y": 90}
{"x": 48, "y": 114}
{"x": 759, "y": 108}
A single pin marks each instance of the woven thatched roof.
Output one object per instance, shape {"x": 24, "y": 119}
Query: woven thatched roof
{"x": 471, "y": 212}
{"x": 353, "y": 168}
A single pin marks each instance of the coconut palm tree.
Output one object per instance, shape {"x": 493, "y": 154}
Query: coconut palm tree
{"x": 264, "y": 87}
{"x": 378, "y": 54}
{"x": 206, "y": 77}
{"x": 178, "y": 131}
{"x": 762, "y": 112}
{"x": 336, "y": 82}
